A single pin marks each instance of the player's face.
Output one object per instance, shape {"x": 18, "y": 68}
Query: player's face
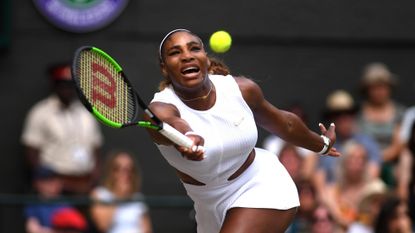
{"x": 185, "y": 61}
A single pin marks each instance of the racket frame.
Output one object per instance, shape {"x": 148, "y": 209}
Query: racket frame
{"x": 162, "y": 127}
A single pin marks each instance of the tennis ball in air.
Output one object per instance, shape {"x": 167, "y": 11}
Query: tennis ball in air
{"x": 220, "y": 41}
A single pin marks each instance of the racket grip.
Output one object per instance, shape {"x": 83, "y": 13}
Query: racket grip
{"x": 175, "y": 136}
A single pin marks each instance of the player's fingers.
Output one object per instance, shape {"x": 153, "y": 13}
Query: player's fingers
{"x": 332, "y": 127}
{"x": 200, "y": 149}
{"x": 322, "y": 128}
{"x": 197, "y": 139}
{"x": 194, "y": 156}
{"x": 195, "y": 153}
{"x": 333, "y": 152}
{"x": 201, "y": 152}
{"x": 182, "y": 149}
{"x": 331, "y": 133}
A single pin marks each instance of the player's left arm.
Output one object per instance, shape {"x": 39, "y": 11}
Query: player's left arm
{"x": 285, "y": 124}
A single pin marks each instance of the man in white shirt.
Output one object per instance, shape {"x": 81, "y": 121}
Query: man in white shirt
{"x": 61, "y": 134}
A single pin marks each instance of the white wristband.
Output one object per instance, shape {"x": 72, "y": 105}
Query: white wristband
{"x": 326, "y": 148}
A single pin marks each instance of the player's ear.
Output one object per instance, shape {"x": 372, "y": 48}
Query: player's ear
{"x": 208, "y": 61}
{"x": 163, "y": 70}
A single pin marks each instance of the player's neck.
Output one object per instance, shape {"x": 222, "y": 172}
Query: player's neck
{"x": 203, "y": 97}
{"x": 201, "y": 102}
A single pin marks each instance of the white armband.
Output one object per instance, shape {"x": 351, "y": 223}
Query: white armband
{"x": 326, "y": 146}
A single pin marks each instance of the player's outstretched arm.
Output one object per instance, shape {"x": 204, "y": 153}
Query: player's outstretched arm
{"x": 285, "y": 124}
{"x": 168, "y": 113}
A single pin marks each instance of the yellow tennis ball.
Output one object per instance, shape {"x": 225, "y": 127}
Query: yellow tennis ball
{"x": 220, "y": 42}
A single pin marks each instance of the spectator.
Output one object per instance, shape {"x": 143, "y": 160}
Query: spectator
{"x": 393, "y": 217}
{"x": 343, "y": 197}
{"x": 341, "y": 109}
{"x": 68, "y": 220}
{"x": 406, "y": 186}
{"x": 303, "y": 220}
{"x": 322, "y": 221}
{"x": 292, "y": 160}
{"x": 39, "y": 216}
{"x": 373, "y": 196}
{"x": 407, "y": 123}
{"x": 406, "y": 162}
{"x": 121, "y": 182}
{"x": 380, "y": 116}
{"x": 61, "y": 134}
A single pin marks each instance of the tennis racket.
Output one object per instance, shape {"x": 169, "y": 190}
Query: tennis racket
{"x": 106, "y": 92}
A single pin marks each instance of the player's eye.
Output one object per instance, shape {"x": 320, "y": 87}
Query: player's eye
{"x": 195, "y": 48}
{"x": 173, "y": 52}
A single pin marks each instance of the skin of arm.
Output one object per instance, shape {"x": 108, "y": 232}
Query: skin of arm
{"x": 330, "y": 199}
{"x": 394, "y": 149}
{"x": 170, "y": 114}
{"x": 33, "y": 226}
{"x": 146, "y": 223}
{"x": 286, "y": 125}
{"x": 102, "y": 214}
{"x": 404, "y": 174}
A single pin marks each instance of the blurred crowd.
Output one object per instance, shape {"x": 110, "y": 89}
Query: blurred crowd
{"x": 62, "y": 144}
{"x": 370, "y": 188}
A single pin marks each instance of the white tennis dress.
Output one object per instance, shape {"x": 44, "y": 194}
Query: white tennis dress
{"x": 230, "y": 134}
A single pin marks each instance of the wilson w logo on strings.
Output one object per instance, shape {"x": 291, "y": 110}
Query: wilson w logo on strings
{"x": 103, "y": 86}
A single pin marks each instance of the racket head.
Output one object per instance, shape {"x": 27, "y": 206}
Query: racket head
{"x": 103, "y": 88}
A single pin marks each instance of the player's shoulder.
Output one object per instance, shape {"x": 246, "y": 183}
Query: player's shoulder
{"x": 248, "y": 86}
{"x": 218, "y": 78}
{"x": 250, "y": 90}
{"x": 241, "y": 82}
{"x": 245, "y": 82}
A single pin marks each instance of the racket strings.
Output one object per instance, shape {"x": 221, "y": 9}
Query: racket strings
{"x": 105, "y": 88}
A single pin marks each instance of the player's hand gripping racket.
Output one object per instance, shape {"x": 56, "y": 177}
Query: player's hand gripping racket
{"x": 106, "y": 92}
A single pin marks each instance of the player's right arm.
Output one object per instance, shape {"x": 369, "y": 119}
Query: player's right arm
{"x": 166, "y": 113}
{"x": 170, "y": 114}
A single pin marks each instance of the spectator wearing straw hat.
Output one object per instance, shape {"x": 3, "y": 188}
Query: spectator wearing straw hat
{"x": 380, "y": 115}
{"x": 343, "y": 196}
{"x": 370, "y": 203}
{"x": 341, "y": 110}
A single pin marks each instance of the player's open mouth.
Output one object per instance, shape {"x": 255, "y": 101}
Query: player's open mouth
{"x": 190, "y": 70}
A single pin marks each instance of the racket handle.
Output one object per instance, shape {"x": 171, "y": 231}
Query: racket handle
{"x": 175, "y": 136}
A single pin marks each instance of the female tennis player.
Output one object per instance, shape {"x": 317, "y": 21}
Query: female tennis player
{"x": 235, "y": 186}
